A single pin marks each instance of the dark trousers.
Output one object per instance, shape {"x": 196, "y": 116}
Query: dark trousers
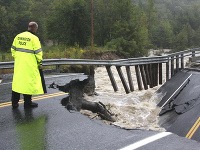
{"x": 16, "y": 97}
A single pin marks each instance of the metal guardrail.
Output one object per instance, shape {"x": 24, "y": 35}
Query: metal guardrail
{"x": 148, "y": 70}
{"x": 119, "y": 62}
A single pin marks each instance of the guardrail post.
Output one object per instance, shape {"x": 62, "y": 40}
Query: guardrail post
{"x": 146, "y": 69}
{"x": 150, "y": 69}
{"x": 172, "y": 66}
{"x": 119, "y": 70}
{"x": 182, "y": 61}
{"x": 143, "y": 77}
{"x": 167, "y": 70}
{"x": 156, "y": 74}
{"x": 58, "y": 68}
{"x": 160, "y": 73}
{"x": 112, "y": 79}
{"x": 128, "y": 71}
{"x": 137, "y": 71}
{"x": 193, "y": 53}
{"x": 177, "y": 63}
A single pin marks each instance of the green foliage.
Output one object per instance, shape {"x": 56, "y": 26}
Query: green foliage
{"x": 62, "y": 51}
{"x": 186, "y": 37}
{"x": 174, "y": 24}
{"x": 128, "y": 26}
{"x": 127, "y": 48}
{"x": 75, "y": 52}
{"x": 129, "y": 33}
{"x": 15, "y": 15}
{"x": 196, "y": 38}
{"x": 70, "y": 20}
{"x": 180, "y": 41}
{"x": 6, "y": 57}
{"x": 162, "y": 35}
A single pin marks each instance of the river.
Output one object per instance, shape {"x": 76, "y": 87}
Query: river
{"x": 136, "y": 110}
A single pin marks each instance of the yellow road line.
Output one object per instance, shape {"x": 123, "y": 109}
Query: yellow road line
{"x": 41, "y": 96}
{"x": 35, "y": 98}
{"x": 193, "y": 129}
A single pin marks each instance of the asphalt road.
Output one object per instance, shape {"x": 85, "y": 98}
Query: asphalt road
{"x": 184, "y": 118}
{"x": 51, "y": 126}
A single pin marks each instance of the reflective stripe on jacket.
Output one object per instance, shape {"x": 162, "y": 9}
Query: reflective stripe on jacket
{"x": 27, "y": 52}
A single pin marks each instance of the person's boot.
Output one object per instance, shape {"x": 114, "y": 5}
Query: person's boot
{"x": 30, "y": 105}
{"x": 28, "y": 102}
{"x": 15, "y": 106}
{"x": 15, "y": 99}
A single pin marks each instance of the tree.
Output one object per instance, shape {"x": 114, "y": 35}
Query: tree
{"x": 40, "y": 12}
{"x": 129, "y": 34}
{"x": 196, "y": 38}
{"x": 180, "y": 41}
{"x": 120, "y": 24}
{"x": 69, "y": 22}
{"x": 151, "y": 17}
{"x": 3, "y": 27}
{"x": 162, "y": 35}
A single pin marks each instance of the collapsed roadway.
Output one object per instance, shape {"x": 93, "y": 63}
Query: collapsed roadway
{"x": 50, "y": 126}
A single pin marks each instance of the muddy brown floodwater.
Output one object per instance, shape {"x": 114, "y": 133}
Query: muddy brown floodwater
{"x": 136, "y": 110}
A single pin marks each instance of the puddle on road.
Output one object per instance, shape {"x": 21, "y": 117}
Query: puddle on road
{"x": 136, "y": 110}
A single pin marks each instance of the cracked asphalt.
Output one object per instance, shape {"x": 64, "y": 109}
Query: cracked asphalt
{"x": 51, "y": 126}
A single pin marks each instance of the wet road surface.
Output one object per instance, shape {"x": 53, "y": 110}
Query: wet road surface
{"x": 51, "y": 126}
{"x": 184, "y": 118}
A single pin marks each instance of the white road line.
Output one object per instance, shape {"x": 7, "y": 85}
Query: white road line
{"x": 175, "y": 91}
{"x": 54, "y": 76}
{"x": 57, "y": 76}
{"x": 146, "y": 141}
{"x": 5, "y": 83}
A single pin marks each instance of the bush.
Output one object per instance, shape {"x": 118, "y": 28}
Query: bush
{"x": 125, "y": 47}
{"x": 61, "y": 51}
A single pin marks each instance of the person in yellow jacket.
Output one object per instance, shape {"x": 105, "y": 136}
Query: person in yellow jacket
{"x": 27, "y": 52}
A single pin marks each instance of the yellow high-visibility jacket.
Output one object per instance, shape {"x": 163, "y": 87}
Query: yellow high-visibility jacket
{"x": 27, "y": 52}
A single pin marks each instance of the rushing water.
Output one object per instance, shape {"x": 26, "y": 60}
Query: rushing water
{"x": 136, "y": 110}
